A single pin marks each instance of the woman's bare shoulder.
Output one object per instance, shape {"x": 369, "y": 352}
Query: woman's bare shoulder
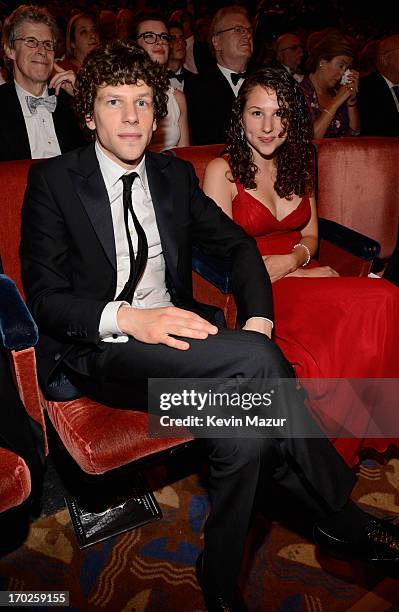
{"x": 218, "y": 166}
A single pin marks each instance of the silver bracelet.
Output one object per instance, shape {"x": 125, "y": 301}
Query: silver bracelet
{"x": 307, "y": 252}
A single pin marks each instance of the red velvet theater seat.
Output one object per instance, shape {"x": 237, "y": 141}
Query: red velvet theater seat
{"x": 101, "y": 438}
{"x": 199, "y": 156}
{"x": 97, "y": 437}
{"x": 15, "y": 484}
{"x": 358, "y": 187}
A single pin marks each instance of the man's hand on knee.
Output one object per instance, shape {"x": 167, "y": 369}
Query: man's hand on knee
{"x": 159, "y": 325}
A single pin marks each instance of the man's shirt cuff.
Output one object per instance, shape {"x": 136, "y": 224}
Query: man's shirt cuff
{"x": 108, "y": 329}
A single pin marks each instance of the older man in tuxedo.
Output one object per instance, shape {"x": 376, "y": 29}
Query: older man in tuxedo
{"x": 106, "y": 255}
{"x": 211, "y": 96}
{"x": 378, "y": 96}
{"x": 34, "y": 124}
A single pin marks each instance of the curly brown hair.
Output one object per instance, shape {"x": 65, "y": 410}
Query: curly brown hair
{"x": 118, "y": 63}
{"x": 294, "y": 158}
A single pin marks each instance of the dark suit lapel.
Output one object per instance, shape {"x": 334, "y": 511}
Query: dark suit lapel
{"x": 88, "y": 182}
{"x": 16, "y": 122}
{"x": 163, "y": 205}
{"x": 60, "y": 126}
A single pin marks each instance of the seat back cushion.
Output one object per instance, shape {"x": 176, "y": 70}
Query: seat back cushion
{"x": 357, "y": 186}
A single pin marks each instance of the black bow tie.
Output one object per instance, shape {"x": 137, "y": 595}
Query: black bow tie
{"x": 173, "y": 75}
{"x": 236, "y": 76}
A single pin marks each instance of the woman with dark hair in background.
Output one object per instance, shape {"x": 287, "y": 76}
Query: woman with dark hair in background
{"x": 81, "y": 38}
{"x": 328, "y": 327}
{"x": 332, "y": 85}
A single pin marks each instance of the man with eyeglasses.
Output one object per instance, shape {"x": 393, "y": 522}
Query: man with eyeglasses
{"x": 378, "y": 96}
{"x": 177, "y": 73}
{"x": 33, "y": 123}
{"x": 211, "y": 96}
{"x": 289, "y": 53}
{"x": 150, "y": 32}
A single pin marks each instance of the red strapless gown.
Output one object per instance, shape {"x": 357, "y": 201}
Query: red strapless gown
{"x": 336, "y": 328}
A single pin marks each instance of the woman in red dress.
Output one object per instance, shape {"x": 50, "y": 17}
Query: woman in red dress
{"x": 328, "y": 327}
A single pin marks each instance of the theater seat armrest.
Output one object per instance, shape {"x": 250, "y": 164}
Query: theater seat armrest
{"x": 17, "y": 328}
{"x": 355, "y": 243}
{"x": 213, "y": 269}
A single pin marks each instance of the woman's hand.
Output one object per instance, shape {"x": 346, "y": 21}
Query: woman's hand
{"x": 315, "y": 272}
{"x": 342, "y": 95}
{"x": 348, "y": 92}
{"x": 353, "y": 86}
{"x": 279, "y": 266}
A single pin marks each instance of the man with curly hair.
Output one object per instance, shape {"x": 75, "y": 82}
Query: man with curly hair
{"x": 106, "y": 245}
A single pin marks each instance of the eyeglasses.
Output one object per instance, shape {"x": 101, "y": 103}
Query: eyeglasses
{"x": 174, "y": 38}
{"x": 33, "y": 43}
{"x": 151, "y": 38}
{"x": 237, "y": 30}
{"x": 291, "y": 48}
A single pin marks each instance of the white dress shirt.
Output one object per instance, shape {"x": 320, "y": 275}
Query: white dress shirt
{"x": 43, "y": 140}
{"x": 151, "y": 291}
{"x": 175, "y": 83}
{"x": 298, "y": 77}
{"x": 226, "y": 73}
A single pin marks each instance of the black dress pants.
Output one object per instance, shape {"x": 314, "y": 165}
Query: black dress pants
{"x": 308, "y": 468}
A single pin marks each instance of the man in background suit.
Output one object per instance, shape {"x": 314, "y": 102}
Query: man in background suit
{"x": 107, "y": 235}
{"x": 378, "y": 96}
{"x": 289, "y": 53}
{"x": 34, "y": 124}
{"x": 211, "y": 96}
{"x": 177, "y": 73}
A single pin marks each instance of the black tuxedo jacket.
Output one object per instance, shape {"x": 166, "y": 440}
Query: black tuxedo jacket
{"x": 209, "y": 101}
{"x": 68, "y": 248}
{"x": 14, "y": 142}
{"x": 188, "y": 76}
{"x": 378, "y": 113}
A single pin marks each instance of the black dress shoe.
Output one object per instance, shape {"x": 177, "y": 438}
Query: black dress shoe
{"x": 216, "y": 602}
{"x": 379, "y": 544}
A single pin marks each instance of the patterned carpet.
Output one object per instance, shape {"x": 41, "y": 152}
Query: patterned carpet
{"x": 151, "y": 569}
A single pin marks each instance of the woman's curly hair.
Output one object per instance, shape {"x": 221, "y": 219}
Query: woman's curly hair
{"x": 294, "y": 158}
{"x": 118, "y": 63}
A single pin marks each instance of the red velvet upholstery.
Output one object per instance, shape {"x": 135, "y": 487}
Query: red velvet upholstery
{"x": 15, "y": 484}
{"x": 101, "y": 438}
{"x": 199, "y": 156}
{"x": 358, "y": 186}
{"x": 24, "y": 369}
{"x": 13, "y": 178}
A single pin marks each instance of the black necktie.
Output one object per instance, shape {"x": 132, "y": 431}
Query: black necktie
{"x": 173, "y": 75}
{"x": 236, "y": 76}
{"x": 395, "y": 90}
{"x": 137, "y": 264}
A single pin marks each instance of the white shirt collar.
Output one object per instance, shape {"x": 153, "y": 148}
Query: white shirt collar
{"x": 112, "y": 171}
{"x": 389, "y": 83}
{"x": 22, "y": 93}
{"x": 226, "y": 73}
